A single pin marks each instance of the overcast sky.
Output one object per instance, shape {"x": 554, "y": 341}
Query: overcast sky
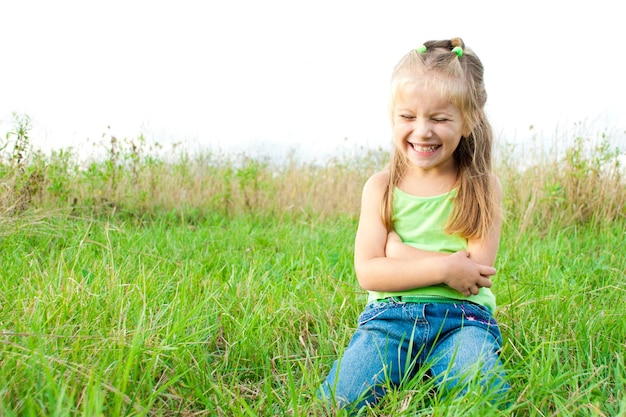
{"x": 265, "y": 74}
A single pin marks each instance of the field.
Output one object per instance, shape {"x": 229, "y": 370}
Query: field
{"x": 222, "y": 285}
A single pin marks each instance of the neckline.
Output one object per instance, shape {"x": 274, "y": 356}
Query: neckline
{"x": 452, "y": 192}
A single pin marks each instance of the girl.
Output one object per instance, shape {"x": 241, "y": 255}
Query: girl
{"x": 427, "y": 239}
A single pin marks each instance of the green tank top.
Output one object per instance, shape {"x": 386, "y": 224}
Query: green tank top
{"x": 420, "y": 222}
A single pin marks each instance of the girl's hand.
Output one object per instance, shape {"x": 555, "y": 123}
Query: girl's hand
{"x": 465, "y": 275}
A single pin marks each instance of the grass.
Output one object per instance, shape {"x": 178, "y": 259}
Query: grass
{"x": 223, "y": 286}
{"x": 164, "y": 318}
{"x": 562, "y": 315}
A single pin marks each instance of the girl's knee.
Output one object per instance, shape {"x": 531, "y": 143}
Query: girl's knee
{"x": 348, "y": 399}
{"x": 352, "y": 388}
{"x": 469, "y": 358}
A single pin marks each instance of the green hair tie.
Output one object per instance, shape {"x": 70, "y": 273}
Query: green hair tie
{"x": 421, "y": 49}
{"x": 458, "y": 51}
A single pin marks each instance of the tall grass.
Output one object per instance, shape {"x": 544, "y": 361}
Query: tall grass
{"x": 584, "y": 183}
{"x": 222, "y": 285}
{"x": 133, "y": 178}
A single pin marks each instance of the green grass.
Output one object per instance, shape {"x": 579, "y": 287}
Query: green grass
{"x": 562, "y": 310}
{"x": 244, "y": 316}
{"x": 119, "y": 317}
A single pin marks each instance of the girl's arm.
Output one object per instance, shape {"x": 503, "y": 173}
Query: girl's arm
{"x": 396, "y": 248}
{"x": 485, "y": 249}
{"x": 482, "y": 251}
{"x": 376, "y": 271}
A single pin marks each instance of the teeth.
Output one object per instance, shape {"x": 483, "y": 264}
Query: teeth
{"x": 419, "y": 148}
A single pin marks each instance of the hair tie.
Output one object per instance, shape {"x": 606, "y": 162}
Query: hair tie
{"x": 421, "y": 49}
{"x": 458, "y": 51}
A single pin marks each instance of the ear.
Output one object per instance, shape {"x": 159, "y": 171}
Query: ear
{"x": 469, "y": 124}
{"x": 467, "y": 130}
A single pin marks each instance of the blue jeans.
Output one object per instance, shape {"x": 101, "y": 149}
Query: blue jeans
{"x": 458, "y": 341}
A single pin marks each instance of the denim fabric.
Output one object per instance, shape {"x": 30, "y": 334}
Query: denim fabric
{"x": 459, "y": 341}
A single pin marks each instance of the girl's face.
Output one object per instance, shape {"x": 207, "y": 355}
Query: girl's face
{"x": 427, "y": 127}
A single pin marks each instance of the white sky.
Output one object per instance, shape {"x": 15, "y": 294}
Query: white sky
{"x": 265, "y": 74}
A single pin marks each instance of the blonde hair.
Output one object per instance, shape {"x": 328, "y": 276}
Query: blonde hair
{"x": 459, "y": 77}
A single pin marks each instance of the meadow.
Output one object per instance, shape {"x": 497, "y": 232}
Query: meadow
{"x": 222, "y": 285}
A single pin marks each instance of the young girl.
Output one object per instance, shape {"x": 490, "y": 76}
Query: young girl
{"x": 427, "y": 239}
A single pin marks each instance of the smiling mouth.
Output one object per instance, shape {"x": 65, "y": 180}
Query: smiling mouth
{"x": 424, "y": 149}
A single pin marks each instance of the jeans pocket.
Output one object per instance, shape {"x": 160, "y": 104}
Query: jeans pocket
{"x": 476, "y": 312}
{"x": 372, "y": 311}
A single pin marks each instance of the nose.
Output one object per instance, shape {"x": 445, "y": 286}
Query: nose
{"x": 422, "y": 128}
